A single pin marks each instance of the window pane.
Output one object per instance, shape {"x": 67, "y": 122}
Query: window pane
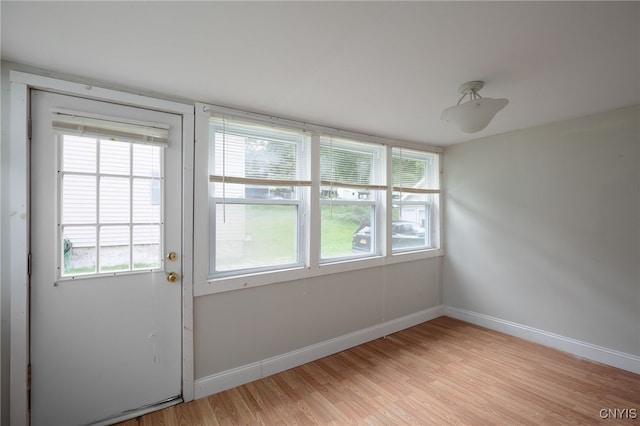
{"x": 253, "y": 235}
{"x": 345, "y": 230}
{"x": 229, "y": 152}
{"x": 146, "y": 247}
{"x": 114, "y": 248}
{"x": 270, "y": 159}
{"x": 78, "y": 199}
{"x": 409, "y": 228}
{"x": 115, "y": 157}
{"x": 79, "y": 154}
{"x": 78, "y": 250}
{"x": 415, "y": 169}
{"x": 350, "y": 162}
{"x": 349, "y": 229}
{"x": 146, "y": 205}
{"x": 146, "y": 160}
{"x": 227, "y": 190}
{"x": 114, "y": 200}
{"x": 254, "y": 151}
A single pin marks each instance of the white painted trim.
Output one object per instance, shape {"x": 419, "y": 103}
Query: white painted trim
{"x": 235, "y": 377}
{"x": 204, "y": 286}
{"x": 98, "y": 93}
{"x": 18, "y": 254}
{"x": 19, "y": 243}
{"x": 586, "y": 350}
{"x": 187, "y": 255}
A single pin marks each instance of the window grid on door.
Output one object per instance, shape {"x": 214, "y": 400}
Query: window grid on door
{"x": 110, "y": 206}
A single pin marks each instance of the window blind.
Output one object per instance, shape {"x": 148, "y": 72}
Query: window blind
{"x": 416, "y": 172}
{"x": 257, "y": 154}
{"x": 112, "y": 128}
{"x": 350, "y": 164}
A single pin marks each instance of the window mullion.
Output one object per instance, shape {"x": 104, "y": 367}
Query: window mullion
{"x": 98, "y": 194}
{"x": 313, "y": 245}
{"x": 131, "y": 206}
{"x": 388, "y": 203}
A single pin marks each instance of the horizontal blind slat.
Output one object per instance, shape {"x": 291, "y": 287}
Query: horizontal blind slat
{"x": 258, "y": 181}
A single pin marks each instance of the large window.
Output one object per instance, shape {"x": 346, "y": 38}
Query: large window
{"x": 351, "y": 182}
{"x": 258, "y": 185}
{"x": 416, "y": 192}
{"x": 289, "y": 200}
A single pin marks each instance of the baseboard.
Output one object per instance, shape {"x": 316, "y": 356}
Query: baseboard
{"x": 238, "y": 376}
{"x": 582, "y": 349}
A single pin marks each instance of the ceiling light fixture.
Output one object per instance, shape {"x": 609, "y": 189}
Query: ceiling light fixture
{"x": 475, "y": 114}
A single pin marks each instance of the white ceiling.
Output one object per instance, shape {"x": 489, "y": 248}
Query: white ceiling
{"x": 384, "y": 68}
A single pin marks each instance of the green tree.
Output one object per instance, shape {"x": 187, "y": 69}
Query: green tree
{"x": 407, "y": 172}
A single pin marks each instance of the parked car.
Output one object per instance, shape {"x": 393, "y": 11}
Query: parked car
{"x": 404, "y": 234}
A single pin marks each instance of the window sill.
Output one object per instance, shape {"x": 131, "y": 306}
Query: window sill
{"x": 220, "y": 285}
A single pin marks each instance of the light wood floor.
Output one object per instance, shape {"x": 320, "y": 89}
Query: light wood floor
{"x": 441, "y": 372}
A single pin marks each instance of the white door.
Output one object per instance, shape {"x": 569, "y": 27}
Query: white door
{"x": 105, "y": 315}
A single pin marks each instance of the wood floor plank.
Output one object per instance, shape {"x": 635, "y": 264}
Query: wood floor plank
{"x": 444, "y": 371}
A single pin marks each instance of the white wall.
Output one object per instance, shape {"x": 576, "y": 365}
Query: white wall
{"x": 241, "y": 327}
{"x": 4, "y": 245}
{"x": 542, "y": 228}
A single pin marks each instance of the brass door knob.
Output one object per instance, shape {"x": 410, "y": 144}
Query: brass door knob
{"x": 172, "y": 277}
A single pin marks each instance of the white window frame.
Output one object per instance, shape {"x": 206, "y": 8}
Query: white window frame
{"x": 431, "y": 206}
{"x": 313, "y": 267}
{"x": 300, "y": 240}
{"x": 377, "y": 203}
{"x": 300, "y": 202}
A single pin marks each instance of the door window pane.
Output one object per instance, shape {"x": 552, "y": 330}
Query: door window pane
{"x": 115, "y": 157}
{"x": 78, "y": 199}
{"x": 114, "y": 248}
{"x": 111, "y": 219}
{"x": 114, "y": 200}
{"x": 146, "y": 160}
{"x": 146, "y": 246}
{"x": 146, "y": 206}
{"x": 79, "y": 154}
{"x": 78, "y": 250}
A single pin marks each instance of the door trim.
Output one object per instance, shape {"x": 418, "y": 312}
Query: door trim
{"x": 21, "y": 84}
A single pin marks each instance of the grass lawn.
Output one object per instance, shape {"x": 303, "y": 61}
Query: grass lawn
{"x": 272, "y": 232}
{"x": 337, "y": 228}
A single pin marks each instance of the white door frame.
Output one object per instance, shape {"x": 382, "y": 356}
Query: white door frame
{"x": 21, "y": 83}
